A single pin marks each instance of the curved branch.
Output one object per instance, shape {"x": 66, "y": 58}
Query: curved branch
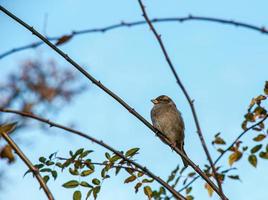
{"x": 31, "y": 167}
{"x": 113, "y": 95}
{"x": 101, "y": 143}
{"x": 138, "y": 23}
{"x": 190, "y": 101}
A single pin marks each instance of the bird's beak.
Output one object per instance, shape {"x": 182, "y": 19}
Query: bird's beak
{"x": 154, "y": 101}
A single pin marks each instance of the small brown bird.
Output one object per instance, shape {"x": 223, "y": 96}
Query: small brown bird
{"x": 167, "y": 119}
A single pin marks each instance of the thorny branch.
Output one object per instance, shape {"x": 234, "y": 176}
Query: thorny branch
{"x": 138, "y": 23}
{"x": 29, "y": 165}
{"x": 190, "y": 101}
{"x": 113, "y": 95}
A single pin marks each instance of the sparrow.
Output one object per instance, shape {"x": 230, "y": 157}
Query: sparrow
{"x": 167, "y": 119}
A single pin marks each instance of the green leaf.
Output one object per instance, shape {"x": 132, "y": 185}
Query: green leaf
{"x": 219, "y": 140}
{"x": 263, "y": 155}
{"x": 148, "y": 192}
{"x": 117, "y": 170}
{"x": 54, "y": 174}
{"x": 46, "y": 170}
{"x": 87, "y": 172}
{"x": 73, "y": 171}
{"x": 252, "y": 160}
{"x": 130, "y": 179}
{"x": 85, "y": 153}
{"x": 140, "y": 174}
{"x": 42, "y": 159}
{"x": 51, "y": 155}
{"x": 67, "y": 163}
{"x": 39, "y": 166}
{"x": 49, "y": 163}
{"x": 114, "y": 158}
{"x": 78, "y": 152}
{"x": 46, "y": 178}
{"x": 77, "y": 195}
{"x": 96, "y": 181}
{"x": 85, "y": 184}
{"x": 245, "y": 148}
{"x": 89, "y": 193}
{"x": 28, "y": 171}
{"x": 256, "y": 148}
{"x": 132, "y": 152}
{"x": 89, "y": 164}
{"x": 189, "y": 197}
{"x": 96, "y": 190}
{"x": 235, "y": 177}
{"x": 137, "y": 186}
{"x": 71, "y": 184}
{"x": 78, "y": 164}
{"x": 60, "y": 165}
{"x": 147, "y": 180}
{"x": 107, "y": 155}
{"x": 188, "y": 190}
{"x": 191, "y": 174}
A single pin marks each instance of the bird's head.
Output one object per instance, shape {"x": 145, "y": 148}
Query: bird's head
{"x": 163, "y": 99}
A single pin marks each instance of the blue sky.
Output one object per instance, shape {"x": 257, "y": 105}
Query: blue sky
{"x": 222, "y": 67}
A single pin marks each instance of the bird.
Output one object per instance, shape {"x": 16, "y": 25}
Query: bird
{"x": 167, "y": 118}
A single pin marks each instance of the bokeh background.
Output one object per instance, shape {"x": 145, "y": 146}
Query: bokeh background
{"x": 222, "y": 67}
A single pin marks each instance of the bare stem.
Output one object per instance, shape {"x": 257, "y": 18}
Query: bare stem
{"x": 31, "y": 167}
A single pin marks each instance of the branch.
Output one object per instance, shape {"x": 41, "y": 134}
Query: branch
{"x": 113, "y": 95}
{"x": 101, "y": 143}
{"x": 31, "y": 167}
{"x": 158, "y": 37}
{"x": 227, "y": 149}
{"x": 138, "y": 23}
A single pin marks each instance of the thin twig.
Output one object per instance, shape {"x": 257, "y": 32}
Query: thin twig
{"x": 31, "y": 167}
{"x": 101, "y": 143}
{"x": 227, "y": 149}
{"x": 138, "y": 23}
{"x": 114, "y": 96}
{"x": 190, "y": 101}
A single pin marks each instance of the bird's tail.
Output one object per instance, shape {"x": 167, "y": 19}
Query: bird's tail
{"x": 181, "y": 147}
{"x": 185, "y": 163}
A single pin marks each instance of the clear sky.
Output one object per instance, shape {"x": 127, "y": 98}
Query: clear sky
{"x": 222, "y": 67}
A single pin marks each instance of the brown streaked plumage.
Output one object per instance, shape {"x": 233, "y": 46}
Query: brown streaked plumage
{"x": 167, "y": 119}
